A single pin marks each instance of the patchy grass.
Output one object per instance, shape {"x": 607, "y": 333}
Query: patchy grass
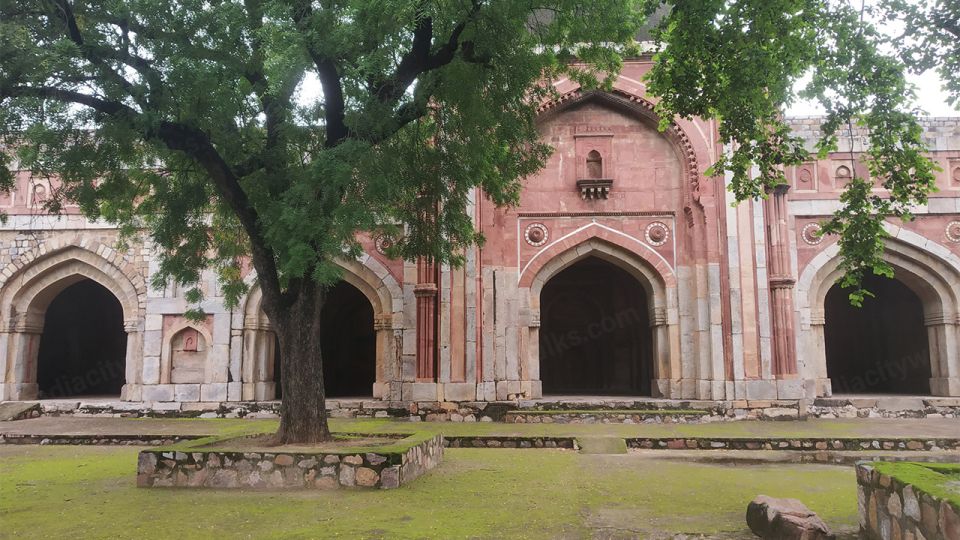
{"x": 840, "y": 428}
{"x": 68, "y": 491}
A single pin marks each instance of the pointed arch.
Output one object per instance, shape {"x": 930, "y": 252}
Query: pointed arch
{"x": 929, "y": 270}
{"x": 653, "y": 274}
{"x": 36, "y": 278}
{"x": 367, "y": 275}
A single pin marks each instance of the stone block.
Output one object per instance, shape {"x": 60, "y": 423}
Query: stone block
{"x": 420, "y": 391}
{"x": 507, "y": 388}
{"x": 366, "y": 477}
{"x": 234, "y": 391}
{"x": 460, "y": 391}
{"x": 761, "y": 389}
{"x": 791, "y": 389}
{"x": 157, "y": 392}
{"x": 151, "y": 370}
{"x": 186, "y": 392}
{"x": 213, "y": 392}
{"x": 348, "y": 476}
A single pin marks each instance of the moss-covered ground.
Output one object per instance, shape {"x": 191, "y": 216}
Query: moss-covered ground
{"x": 840, "y": 428}
{"x": 942, "y": 480}
{"x": 89, "y": 492}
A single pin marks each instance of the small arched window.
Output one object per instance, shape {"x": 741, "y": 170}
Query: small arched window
{"x": 188, "y": 356}
{"x": 594, "y": 165}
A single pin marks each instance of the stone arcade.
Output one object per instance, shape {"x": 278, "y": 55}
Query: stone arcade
{"x": 623, "y": 271}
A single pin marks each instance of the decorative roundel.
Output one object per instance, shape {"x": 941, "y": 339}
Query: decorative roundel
{"x": 535, "y": 234}
{"x": 956, "y": 175}
{"x": 383, "y": 243}
{"x": 953, "y": 231}
{"x": 811, "y": 234}
{"x": 657, "y": 233}
{"x": 805, "y": 176}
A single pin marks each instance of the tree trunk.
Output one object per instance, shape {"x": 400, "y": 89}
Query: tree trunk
{"x": 303, "y": 412}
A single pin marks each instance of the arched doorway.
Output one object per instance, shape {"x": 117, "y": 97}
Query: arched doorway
{"x": 348, "y": 343}
{"x": 878, "y": 348}
{"x": 83, "y": 347}
{"x": 595, "y": 336}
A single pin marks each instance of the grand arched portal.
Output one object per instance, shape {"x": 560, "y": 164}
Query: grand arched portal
{"x": 83, "y": 346}
{"x": 880, "y": 347}
{"x": 595, "y": 334}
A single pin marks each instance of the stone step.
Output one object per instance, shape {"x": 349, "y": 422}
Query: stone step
{"x": 18, "y": 410}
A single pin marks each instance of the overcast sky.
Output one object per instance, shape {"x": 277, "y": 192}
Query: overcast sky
{"x": 930, "y": 97}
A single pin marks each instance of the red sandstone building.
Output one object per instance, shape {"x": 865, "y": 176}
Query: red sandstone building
{"x": 624, "y": 271}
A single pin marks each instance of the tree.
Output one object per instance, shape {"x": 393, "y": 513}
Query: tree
{"x": 741, "y": 62}
{"x": 181, "y": 117}
{"x": 929, "y": 39}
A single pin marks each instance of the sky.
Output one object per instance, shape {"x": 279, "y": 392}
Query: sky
{"x": 930, "y": 97}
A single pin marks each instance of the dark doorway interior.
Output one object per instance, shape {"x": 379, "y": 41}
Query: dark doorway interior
{"x": 880, "y": 347}
{"x": 348, "y": 343}
{"x": 83, "y": 345}
{"x": 595, "y": 335}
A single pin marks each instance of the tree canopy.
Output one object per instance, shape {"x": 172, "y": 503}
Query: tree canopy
{"x": 744, "y": 62}
{"x": 186, "y": 119}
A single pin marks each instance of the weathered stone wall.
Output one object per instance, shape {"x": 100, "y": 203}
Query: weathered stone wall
{"x": 273, "y": 470}
{"x": 891, "y": 509}
{"x": 720, "y": 319}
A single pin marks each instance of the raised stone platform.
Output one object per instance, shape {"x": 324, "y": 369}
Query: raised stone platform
{"x": 197, "y": 464}
{"x": 908, "y": 500}
{"x": 553, "y": 409}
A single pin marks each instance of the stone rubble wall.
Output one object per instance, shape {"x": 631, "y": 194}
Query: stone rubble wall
{"x": 273, "y": 470}
{"x": 890, "y": 509}
{"x": 803, "y": 444}
{"x": 594, "y": 412}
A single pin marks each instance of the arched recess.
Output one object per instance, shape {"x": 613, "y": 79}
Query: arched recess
{"x": 370, "y": 277}
{"x": 643, "y": 109}
{"x": 27, "y": 293}
{"x": 700, "y": 263}
{"x": 181, "y": 363}
{"x": 930, "y": 271}
{"x": 654, "y": 276}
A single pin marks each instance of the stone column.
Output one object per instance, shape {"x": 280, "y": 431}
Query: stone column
{"x": 781, "y": 284}
{"x": 133, "y": 377}
{"x": 943, "y": 339}
{"x": 23, "y": 343}
{"x": 426, "y": 294}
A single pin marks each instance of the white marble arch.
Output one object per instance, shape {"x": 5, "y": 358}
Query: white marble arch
{"x": 372, "y": 279}
{"x": 930, "y": 270}
{"x": 28, "y": 291}
{"x": 661, "y": 293}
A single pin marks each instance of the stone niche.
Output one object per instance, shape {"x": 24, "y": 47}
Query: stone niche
{"x": 594, "y": 149}
{"x": 188, "y": 356}
{"x": 195, "y": 464}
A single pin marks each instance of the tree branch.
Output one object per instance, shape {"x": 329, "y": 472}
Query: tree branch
{"x": 334, "y": 105}
{"x": 196, "y": 144}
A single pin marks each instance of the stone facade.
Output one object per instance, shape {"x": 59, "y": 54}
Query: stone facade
{"x": 731, "y": 303}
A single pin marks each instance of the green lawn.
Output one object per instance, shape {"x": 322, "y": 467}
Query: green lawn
{"x": 845, "y": 428}
{"x": 88, "y": 492}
